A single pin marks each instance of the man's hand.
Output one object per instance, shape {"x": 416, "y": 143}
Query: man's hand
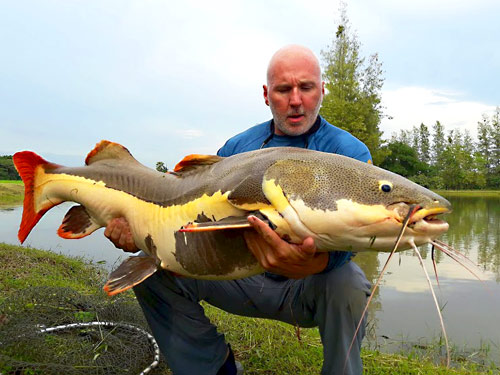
{"x": 295, "y": 261}
{"x": 118, "y": 232}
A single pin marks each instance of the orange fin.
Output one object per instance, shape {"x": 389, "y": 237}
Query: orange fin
{"x": 27, "y": 163}
{"x": 131, "y": 272}
{"x": 193, "y": 161}
{"x": 77, "y": 224}
{"x": 232, "y": 222}
{"x": 108, "y": 150}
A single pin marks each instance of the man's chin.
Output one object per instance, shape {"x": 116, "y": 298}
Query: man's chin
{"x": 296, "y": 128}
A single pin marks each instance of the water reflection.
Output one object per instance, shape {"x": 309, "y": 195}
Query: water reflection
{"x": 94, "y": 248}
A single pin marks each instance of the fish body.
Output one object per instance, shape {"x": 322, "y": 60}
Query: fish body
{"x": 191, "y": 221}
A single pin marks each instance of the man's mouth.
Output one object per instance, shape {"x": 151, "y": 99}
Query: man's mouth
{"x": 296, "y": 117}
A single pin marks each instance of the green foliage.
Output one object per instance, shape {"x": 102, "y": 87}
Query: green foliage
{"x": 403, "y": 160}
{"x": 161, "y": 167}
{"x": 424, "y": 149}
{"x": 489, "y": 146}
{"x": 353, "y": 100}
{"x": 450, "y": 160}
{"x": 7, "y": 169}
{"x": 23, "y": 267}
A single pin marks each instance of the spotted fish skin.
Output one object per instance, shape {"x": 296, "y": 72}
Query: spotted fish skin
{"x": 336, "y": 200}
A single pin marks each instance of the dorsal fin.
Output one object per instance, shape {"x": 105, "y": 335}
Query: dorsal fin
{"x": 193, "y": 161}
{"x": 108, "y": 150}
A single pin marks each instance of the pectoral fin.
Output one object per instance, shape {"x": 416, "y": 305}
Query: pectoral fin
{"x": 232, "y": 222}
{"x": 77, "y": 224}
{"x": 132, "y": 271}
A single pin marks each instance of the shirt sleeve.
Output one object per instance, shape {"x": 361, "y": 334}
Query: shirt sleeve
{"x": 225, "y": 150}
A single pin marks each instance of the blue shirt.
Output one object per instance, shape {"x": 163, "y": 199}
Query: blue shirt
{"x": 322, "y": 137}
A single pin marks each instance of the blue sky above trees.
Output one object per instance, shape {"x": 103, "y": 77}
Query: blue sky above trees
{"x": 170, "y": 78}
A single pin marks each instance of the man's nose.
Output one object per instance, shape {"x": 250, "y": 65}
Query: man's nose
{"x": 295, "y": 97}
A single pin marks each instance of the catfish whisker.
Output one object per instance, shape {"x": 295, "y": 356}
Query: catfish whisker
{"x": 434, "y": 265}
{"x": 456, "y": 259}
{"x": 412, "y": 210}
{"x": 436, "y": 303}
{"x": 455, "y": 251}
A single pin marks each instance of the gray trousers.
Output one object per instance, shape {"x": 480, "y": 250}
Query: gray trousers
{"x": 333, "y": 301}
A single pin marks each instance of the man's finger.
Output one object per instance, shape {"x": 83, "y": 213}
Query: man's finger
{"x": 109, "y": 228}
{"x": 269, "y": 235}
{"x": 308, "y": 246}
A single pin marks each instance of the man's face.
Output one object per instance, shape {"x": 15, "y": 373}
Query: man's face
{"x": 294, "y": 93}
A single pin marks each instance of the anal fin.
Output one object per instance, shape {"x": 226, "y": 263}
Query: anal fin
{"x": 231, "y": 222}
{"x": 77, "y": 224}
{"x": 132, "y": 271}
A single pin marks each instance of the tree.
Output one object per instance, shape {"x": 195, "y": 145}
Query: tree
{"x": 461, "y": 167}
{"x": 424, "y": 144}
{"x": 7, "y": 169}
{"x": 494, "y": 178}
{"x": 415, "y": 140}
{"x": 161, "y": 167}
{"x": 438, "y": 143}
{"x": 488, "y": 146}
{"x": 403, "y": 160}
{"x": 484, "y": 140}
{"x": 353, "y": 99}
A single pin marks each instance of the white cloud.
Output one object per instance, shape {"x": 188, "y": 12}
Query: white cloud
{"x": 429, "y": 8}
{"x": 189, "y": 133}
{"x": 411, "y": 106}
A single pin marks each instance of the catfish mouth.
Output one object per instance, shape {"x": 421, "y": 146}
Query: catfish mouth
{"x": 429, "y": 215}
{"x": 422, "y": 218}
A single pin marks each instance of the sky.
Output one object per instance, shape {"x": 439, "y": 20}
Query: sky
{"x": 171, "y": 78}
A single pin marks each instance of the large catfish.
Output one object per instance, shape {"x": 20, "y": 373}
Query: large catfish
{"x": 190, "y": 221}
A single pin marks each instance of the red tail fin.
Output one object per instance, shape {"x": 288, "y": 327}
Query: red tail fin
{"x": 26, "y": 163}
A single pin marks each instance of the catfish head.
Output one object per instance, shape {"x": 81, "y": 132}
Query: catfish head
{"x": 345, "y": 204}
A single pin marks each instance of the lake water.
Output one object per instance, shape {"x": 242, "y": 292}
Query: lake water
{"x": 95, "y": 248}
{"x": 402, "y": 310}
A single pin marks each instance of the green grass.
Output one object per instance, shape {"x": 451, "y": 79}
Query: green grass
{"x": 22, "y": 267}
{"x": 264, "y": 347}
{"x": 11, "y": 193}
{"x": 469, "y": 193}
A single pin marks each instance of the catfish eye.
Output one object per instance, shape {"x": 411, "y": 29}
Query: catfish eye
{"x": 385, "y": 186}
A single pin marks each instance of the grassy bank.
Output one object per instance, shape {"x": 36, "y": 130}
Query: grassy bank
{"x": 265, "y": 347}
{"x": 11, "y": 193}
{"x": 469, "y": 193}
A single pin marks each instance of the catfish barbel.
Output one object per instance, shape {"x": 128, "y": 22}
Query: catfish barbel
{"x": 191, "y": 221}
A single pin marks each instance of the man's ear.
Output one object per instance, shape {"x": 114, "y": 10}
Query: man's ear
{"x": 323, "y": 87}
{"x": 266, "y": 98}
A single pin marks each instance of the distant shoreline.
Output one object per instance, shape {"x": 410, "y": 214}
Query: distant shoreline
{"x": 469, "y": 193}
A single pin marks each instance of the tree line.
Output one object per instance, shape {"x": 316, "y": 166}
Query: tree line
{"x": 451, "y": 159}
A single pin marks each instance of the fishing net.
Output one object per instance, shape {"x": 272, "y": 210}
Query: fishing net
{"x": 50, "y": 330}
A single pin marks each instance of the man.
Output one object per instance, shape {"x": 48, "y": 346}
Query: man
{"x": 301, "y": 286}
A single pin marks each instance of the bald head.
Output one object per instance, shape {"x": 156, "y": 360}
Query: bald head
{"x": 294, "y": 89}
{"x": 293, "y": 53}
